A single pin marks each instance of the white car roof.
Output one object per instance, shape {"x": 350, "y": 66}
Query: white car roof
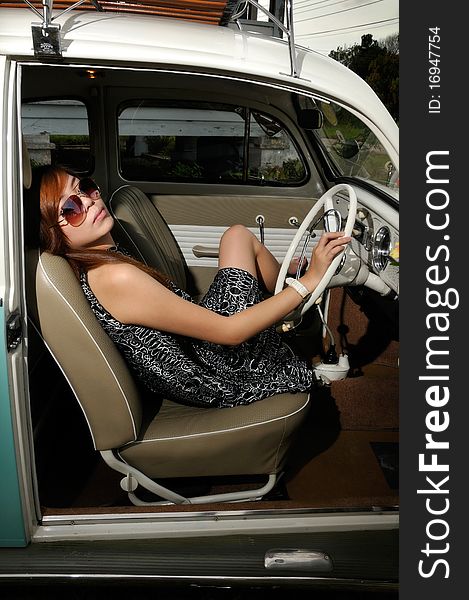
{"x": 159, "y": 42}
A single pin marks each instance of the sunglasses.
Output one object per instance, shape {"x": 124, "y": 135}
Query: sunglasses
{"x": 73, "y": 210}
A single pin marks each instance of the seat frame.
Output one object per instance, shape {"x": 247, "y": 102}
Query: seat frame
{"x": 133, "y": 478}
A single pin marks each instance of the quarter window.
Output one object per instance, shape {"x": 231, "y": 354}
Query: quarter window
{"x": 57, "y": 132}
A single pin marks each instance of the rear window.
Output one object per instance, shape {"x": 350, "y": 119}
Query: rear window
{"x": 206, "y": 143}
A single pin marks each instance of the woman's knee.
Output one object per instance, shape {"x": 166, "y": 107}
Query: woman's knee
{"x": 238, "y": 249}
{"x": 237, "y": 229}
{"x": 237, "y": 234}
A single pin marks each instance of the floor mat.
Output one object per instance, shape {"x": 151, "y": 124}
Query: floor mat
{"x": 369, "y": 401}
{"x": 347, "y": 473}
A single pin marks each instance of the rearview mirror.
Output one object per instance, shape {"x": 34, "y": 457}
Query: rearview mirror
{"x": 310, "y": 118}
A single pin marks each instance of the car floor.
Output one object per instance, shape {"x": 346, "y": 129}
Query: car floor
{"x": 352, "y": 436}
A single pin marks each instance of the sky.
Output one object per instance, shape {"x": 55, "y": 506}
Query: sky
{"x": 324, "y": 25}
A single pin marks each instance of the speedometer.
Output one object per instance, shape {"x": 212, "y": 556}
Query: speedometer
{"x": 381, "y": 248}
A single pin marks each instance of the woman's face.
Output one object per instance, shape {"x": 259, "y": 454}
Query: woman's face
{"x": 94, "y": 231}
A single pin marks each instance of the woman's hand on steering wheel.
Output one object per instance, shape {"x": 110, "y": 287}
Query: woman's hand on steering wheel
{"x": 326, "y": 261}
{"x": 330, "y": 245}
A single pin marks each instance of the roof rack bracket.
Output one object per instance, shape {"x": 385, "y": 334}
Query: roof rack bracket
{"x": 46, "y": 34}
{"x": 46, "y": 41}
{"x": 287, "y": 29}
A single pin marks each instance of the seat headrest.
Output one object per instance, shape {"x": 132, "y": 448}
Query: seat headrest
{"x": 140, "y": 227}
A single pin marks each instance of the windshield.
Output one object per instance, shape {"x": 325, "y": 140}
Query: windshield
{"x": 354, "y": 149}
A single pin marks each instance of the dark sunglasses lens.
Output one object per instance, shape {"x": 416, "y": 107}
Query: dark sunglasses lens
{"x": 89, "y": 187}
{"x": 73, "y": 210}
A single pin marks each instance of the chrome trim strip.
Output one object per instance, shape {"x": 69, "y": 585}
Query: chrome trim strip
{"x": 243, "y": 79}
{"x": 80, "y": 519}
{"x": 327, "y": 581}
{"x": 196, "y": 528}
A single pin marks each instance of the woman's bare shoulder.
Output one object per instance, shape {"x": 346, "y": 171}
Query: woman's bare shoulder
{"x": 126, "y": 291}
{"x": 117, "y": 275}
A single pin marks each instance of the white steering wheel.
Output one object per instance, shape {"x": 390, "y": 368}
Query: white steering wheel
{"x": 326, "y": 198}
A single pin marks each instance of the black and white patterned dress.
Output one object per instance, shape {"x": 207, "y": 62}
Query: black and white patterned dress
{"x": 205, "y": 374}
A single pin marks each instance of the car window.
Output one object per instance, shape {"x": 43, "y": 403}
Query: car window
{"x": 57, "y": 132}
{"x": 273, "y": 158}
{"x": 205, "y": 142}
{"x": 353, "y": 147}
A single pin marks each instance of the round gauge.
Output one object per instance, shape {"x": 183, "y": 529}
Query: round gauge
{"x": 381, "y": 248}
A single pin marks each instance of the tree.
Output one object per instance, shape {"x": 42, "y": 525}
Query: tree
{"x": 378, "y": 64}
{"x": 391, "y": 43}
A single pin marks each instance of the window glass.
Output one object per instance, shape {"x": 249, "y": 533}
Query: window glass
{"x": 206, "y": 143}
{"x": 273, "y": 157}
{"x": 354, "y": 148}
{"x": 57, "y": 132}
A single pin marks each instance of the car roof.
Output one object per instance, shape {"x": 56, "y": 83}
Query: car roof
{"x": 125, "y": 39}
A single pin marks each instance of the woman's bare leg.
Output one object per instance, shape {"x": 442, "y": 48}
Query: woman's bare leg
{"x": 240, "y": 248}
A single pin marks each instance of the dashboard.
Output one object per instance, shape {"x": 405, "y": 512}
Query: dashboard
{"x": 375, "y": 234}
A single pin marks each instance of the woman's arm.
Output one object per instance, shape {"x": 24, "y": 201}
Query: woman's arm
{"x": 134, "y": 297}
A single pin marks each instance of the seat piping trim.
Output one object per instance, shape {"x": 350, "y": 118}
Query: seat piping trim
{"x": 234, "y": 429}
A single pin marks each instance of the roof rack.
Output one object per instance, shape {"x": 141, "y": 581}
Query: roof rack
{"x": 46, "y": 34}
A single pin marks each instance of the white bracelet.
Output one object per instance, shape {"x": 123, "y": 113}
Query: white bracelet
{"x": 298, "y": 287}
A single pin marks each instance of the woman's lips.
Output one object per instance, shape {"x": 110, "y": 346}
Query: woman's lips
{"x": 100, "y": 215}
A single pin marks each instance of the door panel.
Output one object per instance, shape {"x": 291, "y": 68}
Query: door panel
{"x": 201, "y": 221}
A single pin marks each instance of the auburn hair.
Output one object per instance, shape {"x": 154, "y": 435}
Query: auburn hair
{"x": 53, "y": 239}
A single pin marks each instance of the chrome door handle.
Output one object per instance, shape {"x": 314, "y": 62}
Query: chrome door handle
{"x": 205, "y": 251}
{"x": 296, "y": 559}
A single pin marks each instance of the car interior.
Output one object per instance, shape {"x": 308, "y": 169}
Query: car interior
{"x": 180, "y": 157}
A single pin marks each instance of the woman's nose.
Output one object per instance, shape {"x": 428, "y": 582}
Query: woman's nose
{"x": 87, "y": 201}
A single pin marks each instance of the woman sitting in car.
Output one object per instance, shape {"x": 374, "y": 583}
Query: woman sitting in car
{"x": 221, "y": 352}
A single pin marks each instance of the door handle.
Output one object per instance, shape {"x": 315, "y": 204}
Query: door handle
{"x": 296, "y": 559}
{"x": 205, "y": 251}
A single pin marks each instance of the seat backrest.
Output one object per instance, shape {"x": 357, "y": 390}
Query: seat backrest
{"x": 90, "y": 361}
{"x": 141, "y": 229}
